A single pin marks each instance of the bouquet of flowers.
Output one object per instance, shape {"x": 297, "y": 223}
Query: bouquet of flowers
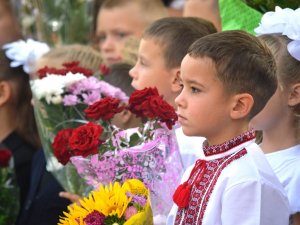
{"x": 60, "y": 96}
{"x": 149, "y": 153}
{"x": 8, "y": 189}
{"x": 128, "y": 204}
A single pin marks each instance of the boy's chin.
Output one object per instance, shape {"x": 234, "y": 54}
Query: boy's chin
{"x": 188, "y": 132}
{"x": 135, "y": 86}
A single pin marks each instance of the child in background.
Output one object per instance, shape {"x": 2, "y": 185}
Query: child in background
{"x": 279, "y": 120}
{"x": 226, "y": 79}
{"x": 40, "y": 203}
{"x": 118, "y": 20}
{"x": 163, "y": 46}
{"x": 18, "y": 130}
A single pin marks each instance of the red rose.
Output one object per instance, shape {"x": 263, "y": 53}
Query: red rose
{"x": 104, "y": 109}
{"x": 61, "y": 148}
{"x": 85, "y": 139}
{"x": 5, "y": 156}
{"x": 139, "y": 97}
{"x": 160, "y": 109}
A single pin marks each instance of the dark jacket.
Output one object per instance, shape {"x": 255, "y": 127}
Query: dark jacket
{"x": 43, "y": 205}
{"x": 22, "y": 155}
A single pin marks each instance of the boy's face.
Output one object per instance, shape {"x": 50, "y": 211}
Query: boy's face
{"x": 273, "y": 113}
{"x": 203, "y": 105}
{"x": 114, "y": 27}
{"x": 150, "y": 70}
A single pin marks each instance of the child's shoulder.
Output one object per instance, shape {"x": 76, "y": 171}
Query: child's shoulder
{"x": 252, "y": 167}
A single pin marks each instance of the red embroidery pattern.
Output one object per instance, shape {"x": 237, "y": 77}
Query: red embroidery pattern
{"x": 202, "y": 190}
{"x": 217, "y": 149}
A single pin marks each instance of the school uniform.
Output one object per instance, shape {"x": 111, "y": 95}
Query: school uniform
{"x": 22, "y": 155}
{"x": 43, "y": 205}
{"x": 232, "y": 184}
{"x": 285, "y": 164}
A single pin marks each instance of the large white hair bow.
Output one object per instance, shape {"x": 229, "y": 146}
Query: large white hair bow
{"x": 25, "y": 53}
{"x": 285, "y": 21}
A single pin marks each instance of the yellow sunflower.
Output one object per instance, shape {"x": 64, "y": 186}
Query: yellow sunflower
{"x": 111, "y": 200}
{"x": 135, "y": 187}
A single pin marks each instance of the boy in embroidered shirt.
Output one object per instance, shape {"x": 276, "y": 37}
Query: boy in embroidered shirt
{"x": 226, "y": 79}
{"x": 163, "y": 46}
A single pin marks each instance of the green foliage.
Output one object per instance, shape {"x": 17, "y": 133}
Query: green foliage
{"x": 269, "y": 5}
{"x": 58, "y": 21}
{"x": 9, "y": 197}
{"x": 110, "y": 220}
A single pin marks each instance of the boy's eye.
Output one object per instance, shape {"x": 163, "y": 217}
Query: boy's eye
{"x": 180, "y": 85}
{"x": 122, "y": 35}
{"x": 142, "y": 62}
{"x": 195, "y": 90}
{"x": 101, "y": 38}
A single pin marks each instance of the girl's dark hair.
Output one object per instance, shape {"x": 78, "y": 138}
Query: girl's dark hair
{"x": 21, "y": 101}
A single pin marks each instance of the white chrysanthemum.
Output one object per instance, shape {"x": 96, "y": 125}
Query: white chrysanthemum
{"x": 52, "y": 86}
{"x": 71, "y": 78}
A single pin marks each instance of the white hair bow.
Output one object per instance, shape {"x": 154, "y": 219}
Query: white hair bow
{"x": 25, "y": 53}
{"x": 285, "y": 21}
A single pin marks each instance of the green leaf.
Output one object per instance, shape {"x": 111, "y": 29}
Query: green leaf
{"x": 134, "y": 140}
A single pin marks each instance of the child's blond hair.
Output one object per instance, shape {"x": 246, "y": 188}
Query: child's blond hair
{"x": 87, "y": 56}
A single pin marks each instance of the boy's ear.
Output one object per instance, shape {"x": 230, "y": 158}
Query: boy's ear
{"x": 294, "y": 95}
{"x": 5, "y": 92}
{"x": 175, "y": 87}
{"x": 242, "y": 106}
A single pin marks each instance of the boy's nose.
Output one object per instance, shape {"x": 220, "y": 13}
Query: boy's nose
{"x": 179, "y": 101}
{"x": 132, "y": 72}
{"x": 107, "y": 45}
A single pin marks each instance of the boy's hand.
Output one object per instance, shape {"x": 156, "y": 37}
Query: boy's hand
{"x": 72, "y": 197}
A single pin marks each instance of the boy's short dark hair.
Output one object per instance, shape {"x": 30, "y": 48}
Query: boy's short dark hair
{"x": 119, "y": 77}
{"x": 176, "y": 34}
{"x": 243, "y": 64}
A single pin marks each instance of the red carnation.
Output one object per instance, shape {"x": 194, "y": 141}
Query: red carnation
{"x": 104, "y": 109}
{"x": 85, "y": 139}
{"x": 50, "y": 70}
{"x": 139, "y": 97}
{"x": 61, "y": 147}
{"x": 71, "y": 64}
{"x": 94, "y": 218}
{"x": 5, "y": 156}
{"x": 77, "y": 69}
